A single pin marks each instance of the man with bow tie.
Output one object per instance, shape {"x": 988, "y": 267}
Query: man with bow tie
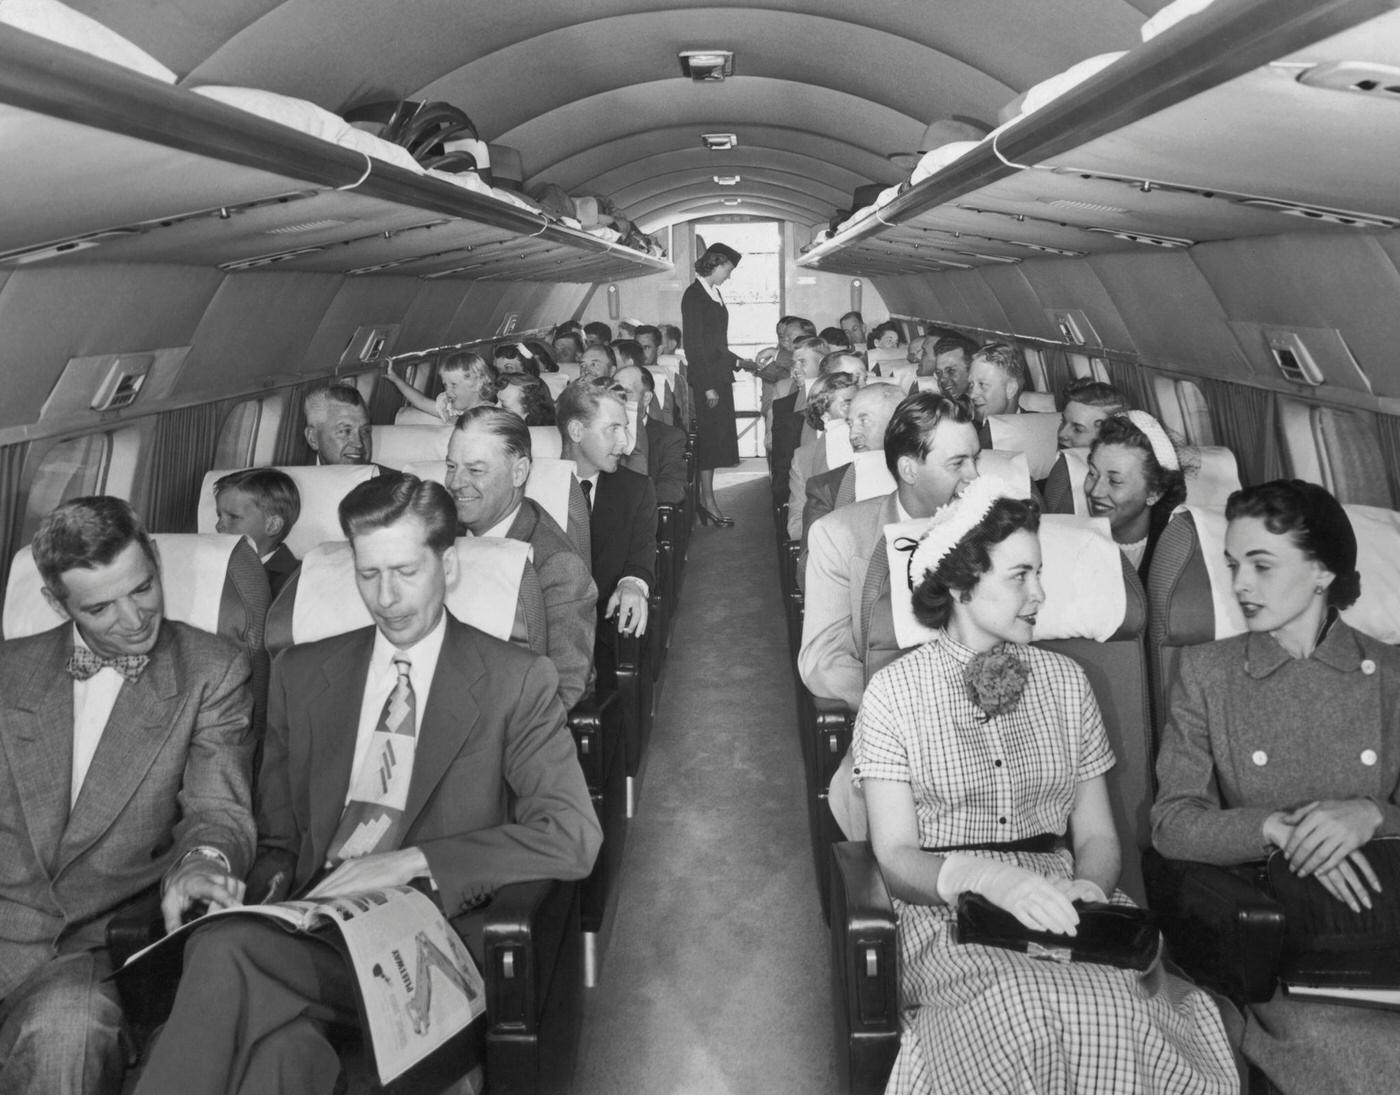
{"x": 124, "y": 755}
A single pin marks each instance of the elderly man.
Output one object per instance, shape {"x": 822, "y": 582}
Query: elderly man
{"x": 593, "y": 425}
{"x": 124, "y": 754}
{"x": 853, "y": 326}
{"x": 948, "y": 359}
{"x": 1087, "y": 402}
{"x": 996, "y": 379}
{"x": 493, "y": 795}
{"x": 488, "y": 465}
{"x": 869, "y": 416}
{"x": 931, "y": 450}
{"x": 337, "y": 425}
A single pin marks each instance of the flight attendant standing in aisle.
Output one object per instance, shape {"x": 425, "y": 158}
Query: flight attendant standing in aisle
{"x": 705, "y": 321}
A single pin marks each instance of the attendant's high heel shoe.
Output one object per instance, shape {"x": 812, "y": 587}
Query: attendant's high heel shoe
{"x": 719, "y": 519}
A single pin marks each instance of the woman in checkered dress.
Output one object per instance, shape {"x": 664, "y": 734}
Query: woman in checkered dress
{"x": 983, "y": 795}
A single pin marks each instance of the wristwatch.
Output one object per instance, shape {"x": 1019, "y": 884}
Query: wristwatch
{"x": 211, "y": 854}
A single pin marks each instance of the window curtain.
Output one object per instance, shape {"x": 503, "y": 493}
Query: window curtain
{"x": 385, "y": 401}
{"x": 1246, "y": 421}
{"x": 11, "y": 512}
{"x": 1133, "y": 382}
{"x": 182, "y": 455}
{"x": 1388, "y": 427}
{"x": 291, "y": 448}
{"x": 1058, "y": 372}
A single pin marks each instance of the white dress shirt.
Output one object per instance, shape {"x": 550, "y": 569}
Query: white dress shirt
{"x": 93, "y": 700}
{"x": 499, "y": 529}
{"x": 382, "y": 678}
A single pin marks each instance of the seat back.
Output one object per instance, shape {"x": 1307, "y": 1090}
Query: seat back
{"x": 1037, "y": 402}
{"x": 545, "y": 441}
{"x": 1191, "y": 600}
{"x": 1064, "y": 486}
{"x": 1014, "y": 467}
{"x": 496, "y": 591}
{"x": 871, "y": 475}
{"x": 412, "y": 416}
{"x": 834, "y": 446}
{"x": 556, "y": 383}
{"x": 1098, "y": 622}
{"x": 321, "y": 488}
{"x": 1216, "y": 475}
{"x": 1033, "y": 434}
{"x": 399, "y": 446}
{"x": 215, "y": 583}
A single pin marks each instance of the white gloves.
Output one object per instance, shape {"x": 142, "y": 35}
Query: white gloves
{"x": 1033, "y": 899}
{"x": 1080, "y": 889}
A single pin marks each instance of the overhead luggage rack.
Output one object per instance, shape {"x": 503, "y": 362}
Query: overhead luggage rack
{"x": 1175, "y": 142}
{"x": 111, "y": 165}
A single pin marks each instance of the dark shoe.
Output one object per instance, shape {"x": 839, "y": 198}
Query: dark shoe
{"x": 719, "y": 519}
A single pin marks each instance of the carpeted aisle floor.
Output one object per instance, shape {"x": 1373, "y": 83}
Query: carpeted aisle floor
{"x": 714, "y": 977}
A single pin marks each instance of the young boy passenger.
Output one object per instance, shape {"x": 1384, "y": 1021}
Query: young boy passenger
{"x": 262, "y": 504}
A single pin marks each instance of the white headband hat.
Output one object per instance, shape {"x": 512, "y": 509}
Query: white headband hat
{"x": 952, "y": 523}
{"x": 1162, "y": 447}
{"x": 525, "y": 351}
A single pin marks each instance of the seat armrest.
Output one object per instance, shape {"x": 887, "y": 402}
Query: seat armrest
{"x": 136, "y": 924}
{"x": 865, "y": 973}
{"x": 1222, "y": 929}
{"x": 525, "y": 927}
{"x": 669, "y": 518}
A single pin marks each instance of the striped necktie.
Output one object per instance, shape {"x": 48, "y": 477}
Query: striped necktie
{"x": 587, "y": 488}
{"x": 373, "y": 818}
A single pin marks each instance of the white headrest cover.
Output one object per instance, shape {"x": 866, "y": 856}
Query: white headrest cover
{"x": 568, "y": 370}
{"x": 1217, "y": 476}
{"x": 545, "y": 442}
{"x": 927, "y": 384}
{"x": 1032, "y": 434}
{"x": 1376, "y": 612}
{"x": 1082, "y": 577}
{"x": 665, "y": 380}
{"x": 485, "y": 594}
{"x": 193, "y": 571}
{"x": 836, "y": 443}
{"x": 556, "y": 383}
{"x": 1010, "y": 466}
{"x": 1038, "y": 402}
{"x": 550, "y": 484}
{"x": 321, "y": 488}
{"x": 398, "y": 446}
{"x": 1077, "y": 467}
{"x": 887, "y": 358}
{"x": 412, "y": 416}
{"x": 873, "y": 476}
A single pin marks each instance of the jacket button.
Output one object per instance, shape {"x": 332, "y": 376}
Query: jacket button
{"x": 1368, "y": 757}
{"x": 1260, "y": 757}
{"x": 1368, "y": 666}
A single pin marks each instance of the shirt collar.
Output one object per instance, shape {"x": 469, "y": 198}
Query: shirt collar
{"x": 502, "y": 527}
{"x": 423, "y": 654}
{"x": 1339, "y": 649}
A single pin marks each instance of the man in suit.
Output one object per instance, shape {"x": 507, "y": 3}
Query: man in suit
{"x": 665, "y": 444}
{"x": 593, "y": 424}
{"x": 949, "y": 359}
{"x": 488, "y": 465}
{"x": 995, "y": 380}
{"x": 869, "y": 416}
{"x": 493, "y": 795}
{"x": 124, "y": 753}
{"x": 931, "y": 450}
{"x": 337, "y": 425}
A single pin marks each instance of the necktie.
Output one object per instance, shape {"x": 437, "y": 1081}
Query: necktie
{"x": 83, "y": 664}
{"x": 587, "y": 486}
{"x": 373, "y": 818}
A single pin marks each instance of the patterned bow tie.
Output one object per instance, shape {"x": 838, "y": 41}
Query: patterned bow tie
{"x": 82, "y": 664}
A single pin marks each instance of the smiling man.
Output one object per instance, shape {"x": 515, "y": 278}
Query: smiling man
{"x": 488, "y": 465}
{"x": 337, "y": 425}
{"x": 995, "y": 380}
{"x": 479, "y": 788}
{"x": 124, "y": 754}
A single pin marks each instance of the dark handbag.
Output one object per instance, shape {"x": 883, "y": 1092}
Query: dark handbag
{"x": 1110, "y": 935}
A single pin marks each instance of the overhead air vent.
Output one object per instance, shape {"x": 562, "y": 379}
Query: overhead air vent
{"x": 305, "y": 226}
{"x": 370, "y": 344}
{"x": 123, "y": 382}
{"x": 106, "y": 383}
{"x": 1074, "y": 327}
{"x": 27, "y": 255}
{"x": 706, "y": 66}
{"x": 719, "y": 142}
{"x": 267, "y": 260}
{"x": 987, "y": 258}
{"x": 1358, "y": 77}
{"x": 732, "y": 201}
{"x": 1145, "y": 238}
{"x": 1085, "y": 207}
{"x": 1046, "y": 249}
{"x": 727, "y": 180}
{"x": 1291, "y": 356}
{"x": 1321, "y": 214}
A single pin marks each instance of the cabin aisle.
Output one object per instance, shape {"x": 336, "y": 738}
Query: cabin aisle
{"x": 715, "y": 978}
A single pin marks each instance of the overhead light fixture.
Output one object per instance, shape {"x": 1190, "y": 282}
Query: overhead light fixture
{"x": 732, "y": 201}
{"x": 719, "y": 142}
{"x": 727, "y": 180}
{"x": 706, "y": 65}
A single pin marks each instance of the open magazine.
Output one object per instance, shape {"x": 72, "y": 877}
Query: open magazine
{"x": 418, "y": 984}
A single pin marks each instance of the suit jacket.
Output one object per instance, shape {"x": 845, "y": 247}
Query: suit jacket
{"x": 831, "y": 659}
{"x": 807, "y": 461}
{"x": 787, "y": 434}
{"x": 570, "y": 599}
{"x": 280, "y": 566}
{"x": 666, "y": 461}
{"x": 496, "y": 796}
{"x": 623, "y": 529}
{"x": 825, "y": 492}
{"x": 170, "y": 774}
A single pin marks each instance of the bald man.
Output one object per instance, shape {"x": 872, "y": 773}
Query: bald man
{"x": 869, "y": 416}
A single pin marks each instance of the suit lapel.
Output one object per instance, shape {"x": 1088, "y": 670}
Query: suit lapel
{"x": 449, "y": 719}
{"x": 142, "y": 720}
{"x": 333, "y": 714}
{"x": 36, "y": 736}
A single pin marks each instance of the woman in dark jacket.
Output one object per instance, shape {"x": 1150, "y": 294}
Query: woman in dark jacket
{"x": 711, "y": 366}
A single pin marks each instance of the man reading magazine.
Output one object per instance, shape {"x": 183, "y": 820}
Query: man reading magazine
{"x": 416, "y": 751}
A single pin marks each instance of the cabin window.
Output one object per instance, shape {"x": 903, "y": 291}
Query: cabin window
{"x": 1085, "y": 366}
{"x": 238, "y": 435}
{"x": 1338, "y": 448}
{"x": 1184, "y": 410}
{"x": 70, "y": 469}
{"x": 1035, "y": 365}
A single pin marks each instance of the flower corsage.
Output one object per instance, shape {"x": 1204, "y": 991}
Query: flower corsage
{"x": 995, "y": 680}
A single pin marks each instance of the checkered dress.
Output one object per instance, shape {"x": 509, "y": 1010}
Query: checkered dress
{"x": 979, "y": 1019}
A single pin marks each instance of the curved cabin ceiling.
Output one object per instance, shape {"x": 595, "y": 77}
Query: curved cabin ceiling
{"x": 591, "y": 93}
